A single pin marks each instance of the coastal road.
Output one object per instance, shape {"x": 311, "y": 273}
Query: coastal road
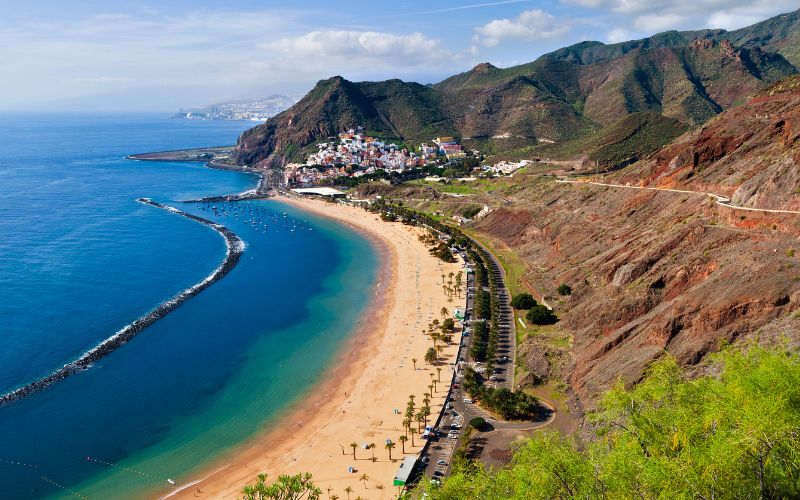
{"x": 721, "y": 200}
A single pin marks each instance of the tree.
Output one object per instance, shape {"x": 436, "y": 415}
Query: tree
{"x": 389, "y": 445}
{"x": 414, "y": 361}
{"x": 523, "y": 301}
{"x": 477, "y": 423}
{"x": 540, "y": 315}
{"x": 371, "y": 446}
{"x": 439, "y": 374}
{"x": 364, "y": 478}
{"x": 430, "y": 356}
{"x": 403, "y": 440}
{"x": 348, "y": 490}
{"x": 412, "y": 431}
{"x": 354, "y": 446}
{"x": 295, "y": 487}
{"x": 564, "y": 289}
{"x": 448, "y": 325}
{"x": 733, "y": 434}
{"x": 459, "y": 281}
{"x": 445, "y": 312}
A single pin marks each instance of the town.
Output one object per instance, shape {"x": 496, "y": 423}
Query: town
{"x": 355, "y": 154}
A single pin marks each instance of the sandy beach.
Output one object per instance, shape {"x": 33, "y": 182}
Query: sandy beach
{"x": 364, "y": 394}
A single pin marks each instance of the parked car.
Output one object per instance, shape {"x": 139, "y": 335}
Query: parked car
{"x": 441, "y": 462}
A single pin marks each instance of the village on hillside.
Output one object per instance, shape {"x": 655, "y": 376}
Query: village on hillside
{"x": 355, "y": 154}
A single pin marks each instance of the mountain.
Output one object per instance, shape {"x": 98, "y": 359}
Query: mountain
{"x": 779, "y": 34}
{"x": 749, "y": 153}
{"x": 565, "y": 95}
{"x": 651, "y": 271}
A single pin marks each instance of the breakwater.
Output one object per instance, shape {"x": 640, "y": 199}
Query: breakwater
{"x": 235, "y": 247}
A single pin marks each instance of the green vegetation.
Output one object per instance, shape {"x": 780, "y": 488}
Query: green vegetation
{"x": 477, "y": 423}
{"x": 564, "y": 289}
{"x": 511, "y": 405}
{"x": 471, "y": 211}
{"x": 735, "y": 435}
{"x": 540, "y": 315}
{"x": 295, "y": 487}
{"x": 523, "y": 301}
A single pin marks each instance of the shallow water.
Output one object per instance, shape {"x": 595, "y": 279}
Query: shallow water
{"x": 79, "y": 258}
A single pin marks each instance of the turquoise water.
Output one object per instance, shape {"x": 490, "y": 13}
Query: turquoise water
{"x": 79, "y": 258}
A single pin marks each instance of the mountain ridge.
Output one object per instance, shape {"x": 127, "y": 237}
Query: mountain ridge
{"x": 557, "y": 97}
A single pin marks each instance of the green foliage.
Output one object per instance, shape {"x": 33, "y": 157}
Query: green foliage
{"x": 540, "y": 315}
{"x": 430, "y": 356}
{"x": 511, "y": 405}
{"x": 448, "y": 324}
{"x": 477, "y": 423}
{"x": 523, "y": 301}
{"x": 471, "y": 211}
{"x": 295, "y": 487}
{"x": 736, "y": 435}
{"x": 564, "y": 289}
{"x": 443, "y": 252}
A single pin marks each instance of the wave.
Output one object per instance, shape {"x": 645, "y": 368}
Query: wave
{"x": 234, "y": 249}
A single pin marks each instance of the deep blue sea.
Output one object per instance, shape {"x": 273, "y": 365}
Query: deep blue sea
{"x": 79, "y": 259}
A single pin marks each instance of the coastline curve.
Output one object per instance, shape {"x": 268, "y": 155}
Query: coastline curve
{"x": 234, "y": 248}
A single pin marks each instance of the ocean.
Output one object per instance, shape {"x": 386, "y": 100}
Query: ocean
{"x": 80, "y": 259}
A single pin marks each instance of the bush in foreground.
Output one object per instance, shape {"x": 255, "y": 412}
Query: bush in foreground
{"x": 731, "y": 436}
{"x": 523, "y": 301}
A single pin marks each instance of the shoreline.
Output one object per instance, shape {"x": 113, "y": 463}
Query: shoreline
{"x": 234, "y": 249}
{"x": 286, "y": 445}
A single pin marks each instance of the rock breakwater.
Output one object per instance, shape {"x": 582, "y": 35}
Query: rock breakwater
{"x": 235, "y": 247}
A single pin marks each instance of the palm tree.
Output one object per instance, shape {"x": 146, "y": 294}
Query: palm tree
{"x": 364, "y": 478}
{"x": 414, "y": 360}
{"x": 443, "y": 279}
{"x": 348, "y": 490}
{"x": 329, "y": 491}
{"x": 354, "y": 446}
{"x": 372, "y": 447}
{"x": 439, "y": 373}
{"x": 412, "y": 431}
{"x": 389, "y": 446}
{"x": 403, "y": 440}
{"x": 445, "y": 312}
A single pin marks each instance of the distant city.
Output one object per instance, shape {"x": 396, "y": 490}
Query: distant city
{"x": 245, "y": 109}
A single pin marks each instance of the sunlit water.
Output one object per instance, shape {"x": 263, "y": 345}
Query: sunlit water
{"x": 79, "y": 258}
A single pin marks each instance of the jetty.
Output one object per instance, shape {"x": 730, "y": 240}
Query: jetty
{"x": 235, "y": 248}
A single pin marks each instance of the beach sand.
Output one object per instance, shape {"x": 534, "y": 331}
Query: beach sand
{"x": 372, "y": 378}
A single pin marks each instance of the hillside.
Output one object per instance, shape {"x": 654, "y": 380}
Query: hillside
{"x": 653, "y": 271}
{"x": 749, "y": 153}
{"x": 562, "y": 96}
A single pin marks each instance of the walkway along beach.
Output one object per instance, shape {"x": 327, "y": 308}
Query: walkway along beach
{"x": 362, "y": 398}
{"x": 235, "y": 247}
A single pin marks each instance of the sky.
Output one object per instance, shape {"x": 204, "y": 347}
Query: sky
{"x": 143, "y": 55}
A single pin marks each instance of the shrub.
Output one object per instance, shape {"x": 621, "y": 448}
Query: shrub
{"x": 564, "y": 289}
{"x": 477, "y": 423}
{"x": 540, "y": 315}
{"x": 523, "y": 301}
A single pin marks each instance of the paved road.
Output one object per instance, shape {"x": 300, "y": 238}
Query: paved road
{"x": 721, "y": 200}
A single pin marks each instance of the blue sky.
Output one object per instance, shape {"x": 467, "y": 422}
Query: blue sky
{"x": 161, "y": 55}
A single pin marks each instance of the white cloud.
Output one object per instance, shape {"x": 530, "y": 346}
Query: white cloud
{"x": 356, "y": 46}
{"x": 618, "y": 35}
{"x": 650, "y": 16}
{"x": 529, "y": 26}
